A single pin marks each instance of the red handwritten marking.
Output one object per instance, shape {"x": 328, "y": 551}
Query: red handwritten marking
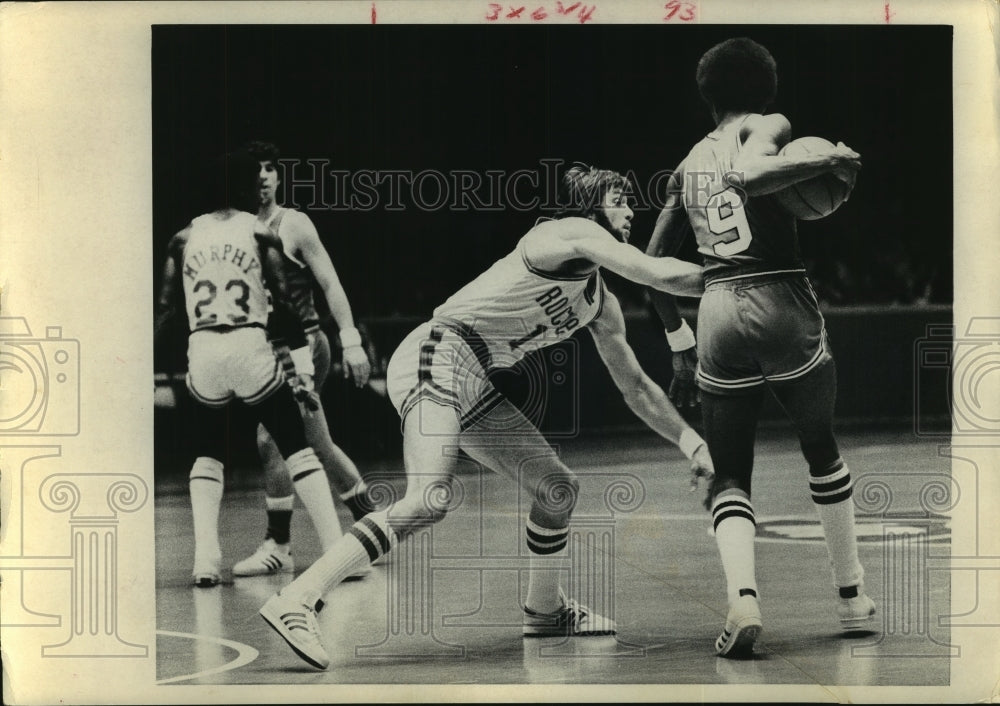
{"x": 687, "y": 10}
{"x": 888, "y": 15}
{"x": 373, "y": 13}
{"x": 494, "y": 10}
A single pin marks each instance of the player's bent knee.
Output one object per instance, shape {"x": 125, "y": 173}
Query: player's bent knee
{"x": 557, "y": 492}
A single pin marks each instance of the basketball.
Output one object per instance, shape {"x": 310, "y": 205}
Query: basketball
{"x": 813, "y": 198}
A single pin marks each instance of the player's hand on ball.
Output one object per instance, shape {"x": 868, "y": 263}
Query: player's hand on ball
{"x": 683, "y": 390}
{"x": 356, "y": 365}
{"x": 305, "y": 392}
{"x": 848, "y": 164}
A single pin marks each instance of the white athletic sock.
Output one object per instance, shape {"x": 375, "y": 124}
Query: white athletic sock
{"x": 735, "y": 527}
{"x": 313, "y": 488}
{"x": 548, "y": 563}
{"x": 205, "y": 484}
{"x": 832, "y": 494}
{"x": 367, "y": 540}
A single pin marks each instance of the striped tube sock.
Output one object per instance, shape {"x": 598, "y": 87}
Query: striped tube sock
{"x": 356, "y": 500}
{"x": 832, "y": 492}
{"x": 547, "y": 563}
{"x": 279, "y": 518}
{"x": 735, "y": 527}
{"x": 313, "y": 488}
{"x": 366, "y": 541}
{"x": 205, "y": 484}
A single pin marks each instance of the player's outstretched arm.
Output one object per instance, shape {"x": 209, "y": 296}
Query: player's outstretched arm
{"x": 306, "y": 238}
{"x": 759, "y": 169}
{"x": 584, "y": 239}
{"x": 169, "y": 283}
{"x": 643, "y": 396}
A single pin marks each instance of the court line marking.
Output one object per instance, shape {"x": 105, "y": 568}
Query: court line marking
{"x": 245, "y": 655}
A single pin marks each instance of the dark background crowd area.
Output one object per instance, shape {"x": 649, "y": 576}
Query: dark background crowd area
{"x": 483, "y": 97}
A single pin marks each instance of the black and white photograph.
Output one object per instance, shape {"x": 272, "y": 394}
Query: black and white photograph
{"x": 480, "y": 351}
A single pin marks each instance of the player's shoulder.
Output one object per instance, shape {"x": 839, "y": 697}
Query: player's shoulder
{"x": 773, "y": 125}
{"x": 179, "y": 239}
{"x": 569, "y": 228}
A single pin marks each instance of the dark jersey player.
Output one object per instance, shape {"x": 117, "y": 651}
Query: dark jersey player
{"x": 759, "y": 324}
{"x": 306, "y": 265}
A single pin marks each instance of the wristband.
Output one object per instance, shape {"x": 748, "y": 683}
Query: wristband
{"x": 350, "y": 337}
{"x": 303, "y": 361}
{"x": 689, "y": 442}
{"x": 681, "y": 339}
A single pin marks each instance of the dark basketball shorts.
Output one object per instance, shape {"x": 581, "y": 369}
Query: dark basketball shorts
{"x": 758, "y": 329}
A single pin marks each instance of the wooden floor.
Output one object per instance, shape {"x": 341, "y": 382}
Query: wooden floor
{"x": 445, "y": 610}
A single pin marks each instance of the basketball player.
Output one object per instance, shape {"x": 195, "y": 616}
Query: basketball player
{"x": 541, "y": 293}
{"x": 225, "y": 262}
{"x": 306, "y": 264}
{"x": 759, "y": 324}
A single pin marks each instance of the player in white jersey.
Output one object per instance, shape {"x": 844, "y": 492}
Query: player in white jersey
{"x": 223, "y": 262}
{"x": 307, "y": 264}
{"x": 538, "y": 295}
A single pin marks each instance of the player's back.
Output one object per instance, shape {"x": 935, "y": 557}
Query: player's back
{"x": 737, "y": 234}
{"x": 517, "y": 308}
{"x": 222, "y": 274}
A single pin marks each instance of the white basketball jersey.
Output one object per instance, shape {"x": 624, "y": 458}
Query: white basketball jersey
{"x": 223, "y": 279}
{"x": 515, "y": 308}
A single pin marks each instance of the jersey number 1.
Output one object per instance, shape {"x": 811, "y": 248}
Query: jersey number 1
{"x": 727, "y": 215}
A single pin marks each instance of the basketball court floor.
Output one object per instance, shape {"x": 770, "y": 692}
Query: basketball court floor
{"x": 445, "y": 609}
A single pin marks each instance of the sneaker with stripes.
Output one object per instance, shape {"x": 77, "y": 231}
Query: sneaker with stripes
{"x": 270, "y": 558}
{"x": 572, "y": 620}
{"x": 743, "y": 627}
{"x": 297, "y": 625}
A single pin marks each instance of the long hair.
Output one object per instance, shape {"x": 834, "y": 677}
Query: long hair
{"x": 582, "y": 190}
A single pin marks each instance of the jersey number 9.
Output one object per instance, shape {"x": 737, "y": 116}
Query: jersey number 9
{"x": 726, "y": 217}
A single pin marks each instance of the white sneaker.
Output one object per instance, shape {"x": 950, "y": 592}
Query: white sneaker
{"x": 572, "y": 620}
{"x": 296, "y": 623}
{"x": 743, "y": 627}
{"x": 270, "y": 558}
{"x": 855, "y": 613}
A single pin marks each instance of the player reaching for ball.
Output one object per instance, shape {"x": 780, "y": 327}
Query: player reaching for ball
{"x": 759, "y": 324}
{"x": 549, "y": 287}
{"x": 306, "y": 263}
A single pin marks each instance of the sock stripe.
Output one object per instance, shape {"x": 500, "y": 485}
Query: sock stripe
{"x": 376, "y": 532}
{"x": 833, "y": 499}
{"x": 732, "y": 503}
{"x": 539, "y": 530}
{"x": 829, "y": 486}
{"x": 366, "y": 542}
{"x": 727, "y": 514}
{"x": 546, "y": 550}
{"x": 217, "y": 480}
{"x": 299, "y": 476}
